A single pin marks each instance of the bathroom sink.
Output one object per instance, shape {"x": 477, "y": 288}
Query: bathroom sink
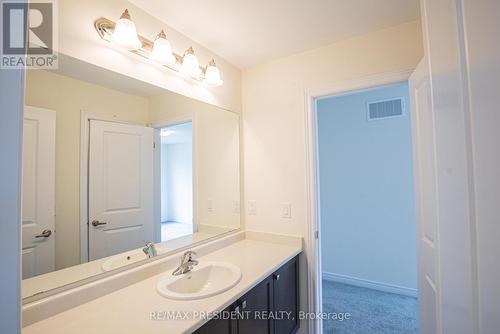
{"x": 121, "y": 260}
{"x": 204, "y": 280}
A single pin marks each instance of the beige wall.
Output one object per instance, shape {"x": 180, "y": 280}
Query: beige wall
{"x": 68, "y": 97}
{"x": 216, "y": 133}
{"x": 273, "y": 117}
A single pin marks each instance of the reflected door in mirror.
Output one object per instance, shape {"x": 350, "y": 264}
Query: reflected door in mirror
{"x": 39, "y": 149}
{"x": 120, "y": 188}
{"x": 113, "y": 190}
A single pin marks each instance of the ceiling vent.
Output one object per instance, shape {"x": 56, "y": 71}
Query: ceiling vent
{"x": 379, "y": 110}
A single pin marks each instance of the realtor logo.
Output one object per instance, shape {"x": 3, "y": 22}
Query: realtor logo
{"x": 29, "y": 35}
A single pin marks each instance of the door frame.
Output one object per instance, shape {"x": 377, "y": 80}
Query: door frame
{"x": 85, "y": 118}
{"x": 313, "y": 241}
{"x": 166, "y": 122}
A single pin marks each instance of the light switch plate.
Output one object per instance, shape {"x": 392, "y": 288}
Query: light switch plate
{"x": 210, "y": 205}
{"x": 236, "y": 206}
{"x": 252, "y": 207}
{"x": 286, "y": 210}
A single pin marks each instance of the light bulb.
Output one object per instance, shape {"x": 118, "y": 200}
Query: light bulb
{"x": 166, "y": 133}
{"x": 162, "y": 51}
{"x": 190, "y": 64}
{"x": 212, "y": 75}
{"x": 125, "y": 34}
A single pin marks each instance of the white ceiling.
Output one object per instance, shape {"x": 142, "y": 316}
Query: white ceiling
{"x": 180, "y": 134}
{"x": 249, "y": 32}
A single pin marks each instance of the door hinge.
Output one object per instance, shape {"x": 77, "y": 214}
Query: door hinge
{"x": 316, "y": 234}
{"x": 154, "y": 144}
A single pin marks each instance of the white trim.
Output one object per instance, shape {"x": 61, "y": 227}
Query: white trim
{"x": 85, "y": 117}
{"x": 359, "y": 85}
{"x": 312, "y": 183}
{"x": 313, "y": 247}
{"x": 156, "y": 186}
{"x": 369, "y": 284}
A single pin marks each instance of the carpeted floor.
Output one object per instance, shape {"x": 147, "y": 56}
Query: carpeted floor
{"x": 173, "y": 230}
{"x": 372, "y": 312}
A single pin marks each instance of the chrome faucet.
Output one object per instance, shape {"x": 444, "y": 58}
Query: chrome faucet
{"x": 187, "y": 263}
{"x": 150, "y": 250}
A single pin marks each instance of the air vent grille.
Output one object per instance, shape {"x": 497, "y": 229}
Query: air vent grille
{"x": 385, "y": 109}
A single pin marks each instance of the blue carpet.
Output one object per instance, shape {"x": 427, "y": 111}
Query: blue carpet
{"x": 372, "y": 311}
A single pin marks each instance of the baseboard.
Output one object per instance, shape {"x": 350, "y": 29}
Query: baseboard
{"x": 363, "y": 283}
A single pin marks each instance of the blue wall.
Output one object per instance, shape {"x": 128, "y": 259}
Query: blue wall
{"x": 366, "y": 190}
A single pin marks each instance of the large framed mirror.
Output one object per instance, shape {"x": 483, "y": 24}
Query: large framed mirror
{"x": 117, "y": 171}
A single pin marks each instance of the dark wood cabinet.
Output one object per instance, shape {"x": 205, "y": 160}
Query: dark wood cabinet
{"x": 252, "y": 306}
{"x": 286, "y": 298}
{"x": 221, "y": 325}
{"x": 271, "y": 307}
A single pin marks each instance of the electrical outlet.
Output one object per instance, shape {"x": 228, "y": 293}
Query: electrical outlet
{"x": 252, "y": 207}
{"x": 286, "y": 210}
{"x": 236, "y": 206}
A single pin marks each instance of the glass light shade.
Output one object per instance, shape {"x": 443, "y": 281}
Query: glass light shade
{"x": 125, "y": 34}
{"x": 212, "y": 75}
{"x": 190, "y": 65}
{"x": 162, "y": 51}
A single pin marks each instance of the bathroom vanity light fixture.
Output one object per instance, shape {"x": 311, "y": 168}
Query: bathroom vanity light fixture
{"x": 190, "y": 65}
{"x": 162, "y": 51}
{"x": 212, "y": 75}
{"x": 124, "y": 34}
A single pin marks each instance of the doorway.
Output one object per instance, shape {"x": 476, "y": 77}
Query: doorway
{"x": 367, "y": 213}
{"x": 176, "y": 178}
{"x": 38, "y": 195}
{"x": 423, "y": 149}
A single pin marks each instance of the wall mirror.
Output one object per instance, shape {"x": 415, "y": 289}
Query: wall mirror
{"x": 115, "y": 171}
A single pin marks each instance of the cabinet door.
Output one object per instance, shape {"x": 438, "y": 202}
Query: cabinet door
{"x": 217, "y": 326}
{"x": 255, "y": 307}
{"x": 286, "y": 297}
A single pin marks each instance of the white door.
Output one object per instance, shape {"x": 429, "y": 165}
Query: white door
{"x": 120, "y": 188}
{"x": 424, "y": 153}
{"x": 38, "y": 212}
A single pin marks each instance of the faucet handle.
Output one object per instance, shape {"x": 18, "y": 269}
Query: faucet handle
{"x": 188, "y": 256}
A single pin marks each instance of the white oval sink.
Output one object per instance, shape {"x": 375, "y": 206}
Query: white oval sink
{"x": 121, "y": 260}
{"x": 205, "y": 280}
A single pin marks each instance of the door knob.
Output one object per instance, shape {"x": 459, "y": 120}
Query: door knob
{"x": 44, "y": 234}
{"x": 96, "y": 223}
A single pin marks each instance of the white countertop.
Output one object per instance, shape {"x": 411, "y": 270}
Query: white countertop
{"x": 128, "y": 310}
{"x": 58, "y": 278}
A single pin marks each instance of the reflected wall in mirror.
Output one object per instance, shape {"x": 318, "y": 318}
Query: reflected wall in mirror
{"x": 116, "y": 170}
